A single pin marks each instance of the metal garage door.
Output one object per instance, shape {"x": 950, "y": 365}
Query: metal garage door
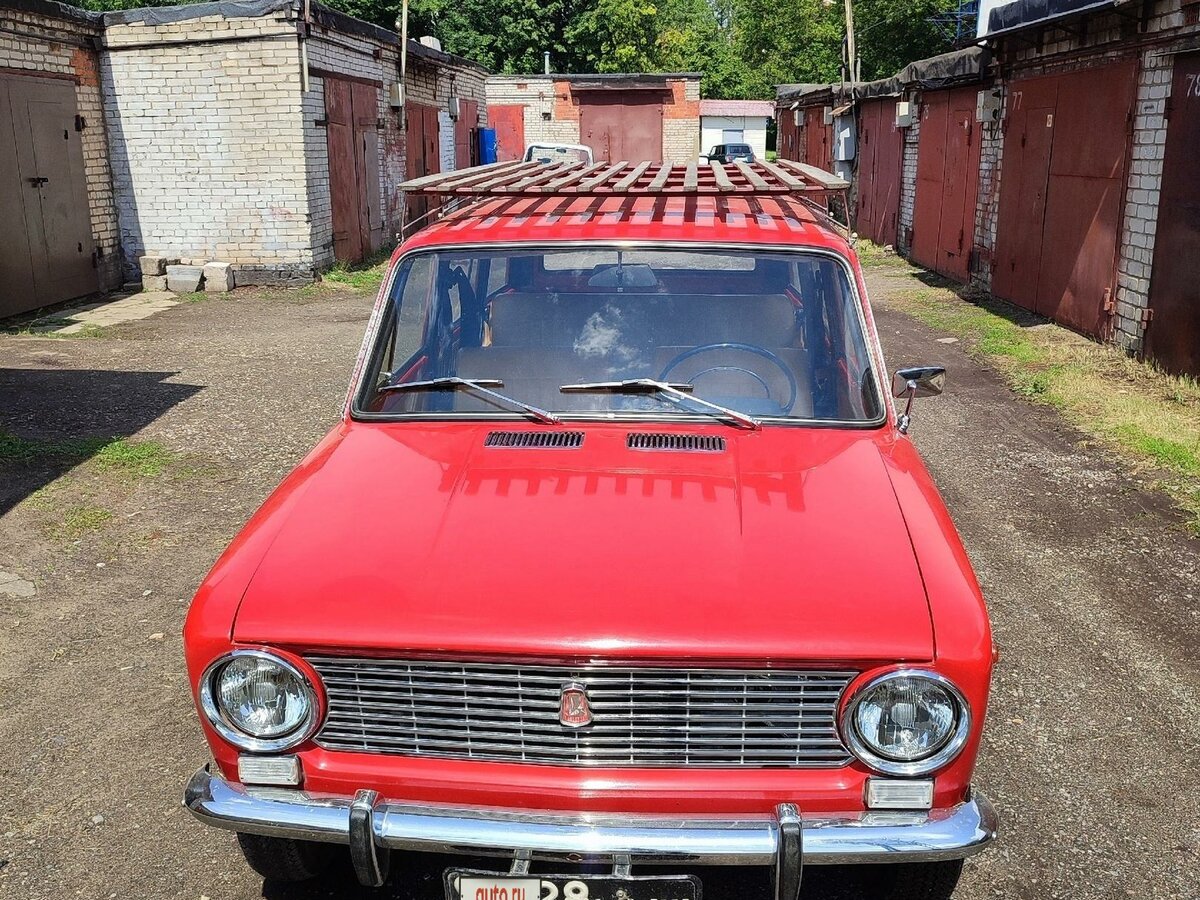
{"x": 817, "y": 139}
{"x": 421, "y": 154}
{"x": 626, "y": 126}
{"x": 881, "y": 151}
{"x": 1061, "y": 187}
{"x": 1173, "y": 334}
{"x": 508, "y": 120}
{"x": 947, "y": 182}
{"x": 787, "y": 141}
{"x": 46, "y": 255}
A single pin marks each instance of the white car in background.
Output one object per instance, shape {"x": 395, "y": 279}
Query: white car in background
{"x": 553, "y": 153}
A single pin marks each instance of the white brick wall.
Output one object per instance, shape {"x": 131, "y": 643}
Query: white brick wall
{"x": 1141, "y": 200}
{"x": 207, "y": 142}
{"x": 908, "y": 184}
{"x": 987, "y": 203}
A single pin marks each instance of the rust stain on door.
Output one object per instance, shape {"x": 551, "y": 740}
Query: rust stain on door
{"x": 628, "y": 126}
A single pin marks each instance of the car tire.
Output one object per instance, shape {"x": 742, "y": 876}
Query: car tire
{"x": 915, "y": 881}
{"x": 282, "y": 859}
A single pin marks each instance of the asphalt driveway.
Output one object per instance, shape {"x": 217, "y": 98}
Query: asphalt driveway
{"x": 1092, "y": 749}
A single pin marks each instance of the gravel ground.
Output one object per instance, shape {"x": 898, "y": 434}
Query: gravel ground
{"x": 1091, "y": 751}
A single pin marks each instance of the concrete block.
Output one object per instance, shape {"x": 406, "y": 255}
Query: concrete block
{"x": 184, "y": 279}
{"x": 218, "y": 278}
{"x": 156, "y": 265}
{"x": 154, "y": 282}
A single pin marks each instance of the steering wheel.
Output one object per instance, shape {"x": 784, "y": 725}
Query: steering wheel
{"x": 793, "y": 387}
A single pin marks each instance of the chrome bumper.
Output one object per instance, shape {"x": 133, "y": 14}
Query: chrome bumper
{"x": 785, "y": 840}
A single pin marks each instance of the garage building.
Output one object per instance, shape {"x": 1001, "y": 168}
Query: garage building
{"x": 633, "y": 117}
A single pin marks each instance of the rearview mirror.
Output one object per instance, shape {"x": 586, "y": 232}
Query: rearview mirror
{"x": 923, "y": 381}
{"x": 916, "y": 381}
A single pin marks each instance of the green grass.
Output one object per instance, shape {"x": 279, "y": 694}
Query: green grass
{"x": 79, "y": 520}
{"x": 1152, "y": 418}
{"x": 136, "y": 458}
{"x": 365, "y": 276}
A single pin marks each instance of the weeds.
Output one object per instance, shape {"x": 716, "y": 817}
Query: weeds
{"x": 365, "y": 276}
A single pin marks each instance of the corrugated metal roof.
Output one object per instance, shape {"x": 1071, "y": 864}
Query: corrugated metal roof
{"x": 737, "y": 108}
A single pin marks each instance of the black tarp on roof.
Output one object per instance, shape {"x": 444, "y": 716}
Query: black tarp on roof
{"x": 805, "y": 94}
{"x": 1023, "y": 13}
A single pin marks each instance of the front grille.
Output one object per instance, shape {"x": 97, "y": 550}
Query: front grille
{"x": 642, "y": 717}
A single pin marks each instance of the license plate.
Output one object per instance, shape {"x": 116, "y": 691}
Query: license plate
{"x": 466, "y": 884}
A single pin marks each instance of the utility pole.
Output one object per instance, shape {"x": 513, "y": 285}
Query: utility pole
{"x": 852, "y": 64}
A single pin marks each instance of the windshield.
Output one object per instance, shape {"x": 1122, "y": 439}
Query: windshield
{"x": 773, "y": 335}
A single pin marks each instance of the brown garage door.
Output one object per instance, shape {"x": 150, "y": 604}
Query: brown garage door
{"x": 818, "y": 139}
{"x": 627, "y": 126}
{"x": 46, "y": 254}
{"x": 1173, "y": 335}
{"x": 947, "y": 182}
{"x": 1060, "y": 193}
{"x": 352, "y": 114}
{"x": 881, "y": 149}
{"x": 422, "y": 154}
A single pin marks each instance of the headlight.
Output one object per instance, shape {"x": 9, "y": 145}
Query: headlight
{"x": 258, "y": 701}
{"x": 907, "y": 722}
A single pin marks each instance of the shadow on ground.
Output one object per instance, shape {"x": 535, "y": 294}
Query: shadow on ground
{"x": 1019, "y": 316}
{"x": 53, "y": 419}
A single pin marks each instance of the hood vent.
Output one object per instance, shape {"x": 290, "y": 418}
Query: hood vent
{"x": 696, "y": 443}
{"x": 563, "y": 440}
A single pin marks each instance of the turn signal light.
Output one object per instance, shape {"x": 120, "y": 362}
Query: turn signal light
{"x": 884, "y": 793}
{"x": 278, "y": 770}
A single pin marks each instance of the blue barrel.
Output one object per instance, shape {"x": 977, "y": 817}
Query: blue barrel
{"x": 487, "y": 146}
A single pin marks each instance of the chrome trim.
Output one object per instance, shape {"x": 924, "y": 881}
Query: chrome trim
{"x": 788, "y": 871}
{"x": 370, "y": 866}
{"x": 371, "y": 344}
{"x": 941, "y": 757}
{"x": 642, "y": 716}
{"x": 751, "y": 840}
{"x": 240, "y": 739}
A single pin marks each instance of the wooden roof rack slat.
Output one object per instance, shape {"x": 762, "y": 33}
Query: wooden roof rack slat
{"x": 450, "y": 180}
{"x": 721, "y": 177}
{"x": 595, "y": 181}
{"x": 660, "y": 180}
{"x": 631, "y": 179}
{"x": 604, "y": 179}
{"x": 533, "y": 179}
{"x": 689, "y": 178}
{"x": 753, "y": 177}
{"x": 572, "y": 176}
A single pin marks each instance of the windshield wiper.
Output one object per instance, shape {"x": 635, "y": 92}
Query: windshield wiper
{"x": 680, "y": 394}
{"x": 480, "y": 387}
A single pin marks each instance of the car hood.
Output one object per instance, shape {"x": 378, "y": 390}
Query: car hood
{"x": 787, "y": 545}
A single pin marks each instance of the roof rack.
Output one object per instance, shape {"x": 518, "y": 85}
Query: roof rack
{"x": 574, "y": 178}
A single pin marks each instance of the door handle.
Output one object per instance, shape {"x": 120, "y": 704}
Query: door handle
{"x": 38, "y": 182}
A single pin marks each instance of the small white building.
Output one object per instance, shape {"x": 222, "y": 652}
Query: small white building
{"x": 735, "y": 122}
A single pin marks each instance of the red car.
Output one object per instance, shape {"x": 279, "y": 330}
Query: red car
{"x": 620, "y": 555}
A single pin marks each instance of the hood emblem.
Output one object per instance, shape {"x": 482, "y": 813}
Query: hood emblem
{"x": 574, "y": 707}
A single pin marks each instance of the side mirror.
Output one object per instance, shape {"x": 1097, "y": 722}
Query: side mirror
{"x": 916, "y": 381}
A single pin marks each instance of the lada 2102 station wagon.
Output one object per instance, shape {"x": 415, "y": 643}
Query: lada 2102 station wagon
{"x": 620, "y": 555}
